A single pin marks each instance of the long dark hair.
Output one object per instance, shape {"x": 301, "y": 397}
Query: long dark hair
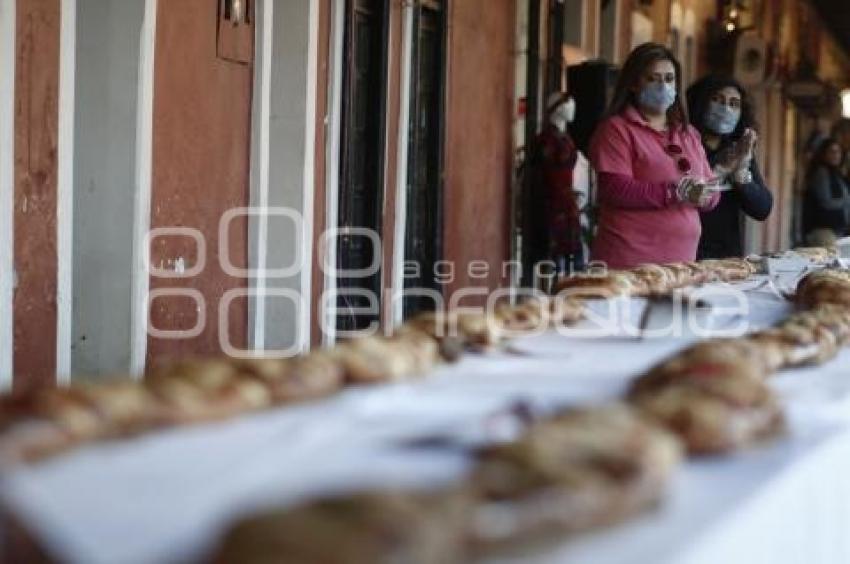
{"x": 640, "y": 59}
{"x": 699, "y": 96}
{"x": 819, "y": 158}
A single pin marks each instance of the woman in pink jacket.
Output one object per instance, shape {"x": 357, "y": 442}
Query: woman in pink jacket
{"x": 653, "y": 174}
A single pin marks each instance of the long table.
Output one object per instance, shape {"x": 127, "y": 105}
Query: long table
{"x": 167, "y": 496}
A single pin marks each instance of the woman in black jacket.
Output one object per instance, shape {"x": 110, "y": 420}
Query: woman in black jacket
{"x": 826, "y": 202}
{"x": 721, "y": 110}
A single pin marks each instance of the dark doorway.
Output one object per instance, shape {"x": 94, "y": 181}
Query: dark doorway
{"x": 362, "y": 161}
{"x": 423, "y": 237}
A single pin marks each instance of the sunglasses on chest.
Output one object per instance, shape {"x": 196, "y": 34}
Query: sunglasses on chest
{"x": 678, "y": 155}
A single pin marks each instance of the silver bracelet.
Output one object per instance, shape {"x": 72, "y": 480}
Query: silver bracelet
{"x": 743, "y": 176}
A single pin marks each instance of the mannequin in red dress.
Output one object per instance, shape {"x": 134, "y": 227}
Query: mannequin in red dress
{"x": 558, "y": 156}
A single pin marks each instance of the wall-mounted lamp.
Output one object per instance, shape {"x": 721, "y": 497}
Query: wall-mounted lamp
{"x": 737, "y": 15}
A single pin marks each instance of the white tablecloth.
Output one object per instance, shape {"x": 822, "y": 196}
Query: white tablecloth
{"x": 166, "y": 497}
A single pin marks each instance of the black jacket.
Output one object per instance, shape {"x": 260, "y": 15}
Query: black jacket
{"x": 826, "y": 203}
{"x": 721, "y": 227}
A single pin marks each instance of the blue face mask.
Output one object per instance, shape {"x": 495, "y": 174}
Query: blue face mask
{"x": 721, "y": 119}
{"x": 658, "y": 96}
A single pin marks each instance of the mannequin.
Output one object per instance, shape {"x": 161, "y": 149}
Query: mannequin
{"x": 555, "y": 198}
{"x": 564, "y": 112}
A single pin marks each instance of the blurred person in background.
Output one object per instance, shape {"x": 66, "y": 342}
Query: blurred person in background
{"x": 826, "y": 201}
{"x": 841, "y": 133}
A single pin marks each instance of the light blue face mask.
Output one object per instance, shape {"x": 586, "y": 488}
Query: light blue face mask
{"x": 658, "y": 96}
{"x": 721, "y": 119}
